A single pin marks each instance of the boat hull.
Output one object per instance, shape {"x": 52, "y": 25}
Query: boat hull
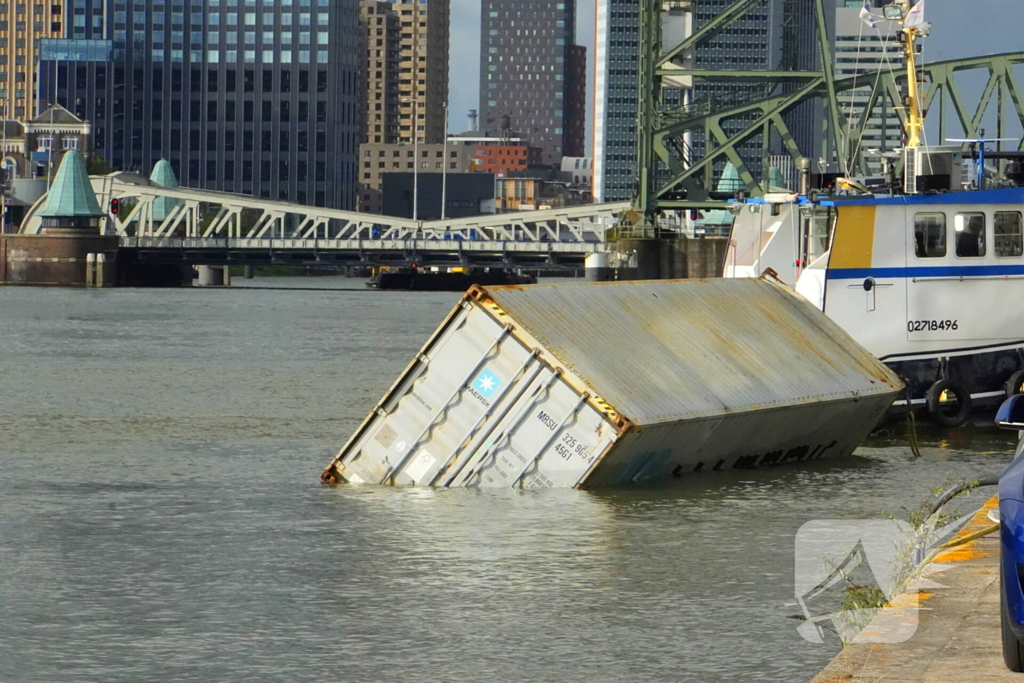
{"x": 984, "y": 373}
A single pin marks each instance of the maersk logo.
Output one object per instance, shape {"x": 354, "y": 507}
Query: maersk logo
{"x": 486, "y": 383}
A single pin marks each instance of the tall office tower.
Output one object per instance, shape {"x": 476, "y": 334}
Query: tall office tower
{"x": 530, "y": 67}
{"x": 378, "y": 72}
{"x": 239, "y": 96}
{"x": 423, "y": 69}
{"x": 22, "y": 26}
{"x": 616, "y": 64}
{"x": 861, "y": 49}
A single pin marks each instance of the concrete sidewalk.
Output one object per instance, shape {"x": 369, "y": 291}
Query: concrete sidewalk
{"x": 958, "y": 638}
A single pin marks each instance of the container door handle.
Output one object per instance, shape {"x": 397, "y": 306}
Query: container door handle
{"x": 504, "y": 435}
{"x": 554, "y": 435}
{"x": 487, "y": 413}
{"x": 446, "y": 405}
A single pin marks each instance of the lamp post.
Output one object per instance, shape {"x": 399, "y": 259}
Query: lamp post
{"x": 416, "y": 155}
{"x": 444, "y": 165}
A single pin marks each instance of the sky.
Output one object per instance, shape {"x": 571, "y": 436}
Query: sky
{"x": 961, "y": 28}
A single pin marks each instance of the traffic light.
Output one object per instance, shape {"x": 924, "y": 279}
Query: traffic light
{"x": 115, "y": 206}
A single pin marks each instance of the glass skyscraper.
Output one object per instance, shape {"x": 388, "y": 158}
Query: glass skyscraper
{"x": 246, "y": 96}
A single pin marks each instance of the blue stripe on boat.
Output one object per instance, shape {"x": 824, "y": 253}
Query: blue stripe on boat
{"x": 923, "y": 271}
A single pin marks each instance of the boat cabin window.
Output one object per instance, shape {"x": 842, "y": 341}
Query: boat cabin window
{"x": 930, "y": 235}
{"x": 970, "y": 234}
{"x": 1009, "y": 233}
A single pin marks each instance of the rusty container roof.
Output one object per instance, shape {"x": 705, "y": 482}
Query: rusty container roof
{"x": 666, "y": 350}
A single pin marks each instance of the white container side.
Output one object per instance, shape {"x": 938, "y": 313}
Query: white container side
{"x": 478, "y": 407}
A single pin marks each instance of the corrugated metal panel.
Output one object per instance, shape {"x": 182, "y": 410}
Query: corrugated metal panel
{"x": 680, "y": 349}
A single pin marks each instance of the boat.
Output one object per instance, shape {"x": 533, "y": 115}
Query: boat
{"x": 417, "y": 280}
{"x": 618, "y": 383}
{"x": 918, "y": 272}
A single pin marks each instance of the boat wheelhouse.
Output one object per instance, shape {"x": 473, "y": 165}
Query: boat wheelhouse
{"x": 924, "y": 282}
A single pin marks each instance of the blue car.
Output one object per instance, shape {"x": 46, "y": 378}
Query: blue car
{"x": 1011, "y": 533}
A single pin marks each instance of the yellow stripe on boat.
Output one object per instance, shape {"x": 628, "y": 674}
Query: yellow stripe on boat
{"x": 854, "y": 238}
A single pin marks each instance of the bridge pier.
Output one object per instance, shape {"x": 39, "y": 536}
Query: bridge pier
{"x": 670, "y": 258}
{"x": 214, "y": 276}
{"x": 597, "y": 270}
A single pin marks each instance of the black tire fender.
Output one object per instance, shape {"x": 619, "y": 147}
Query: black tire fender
{"x": 1015, "y": 385}
{"x": 963, "y": 397}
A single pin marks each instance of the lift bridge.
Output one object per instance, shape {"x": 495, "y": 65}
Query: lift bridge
{"x": 673, "y": 176}
{"x": 185, "y": 225}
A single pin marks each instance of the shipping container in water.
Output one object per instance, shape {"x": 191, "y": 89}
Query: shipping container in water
{"x": 616, "y": 383}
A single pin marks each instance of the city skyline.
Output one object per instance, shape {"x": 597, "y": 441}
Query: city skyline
{"x": 951, "y": 21}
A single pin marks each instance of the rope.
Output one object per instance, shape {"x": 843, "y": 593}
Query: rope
{"x": 878, "y": 76}
{"x": 915, "y": 446}
{"x": 853, "y": 91}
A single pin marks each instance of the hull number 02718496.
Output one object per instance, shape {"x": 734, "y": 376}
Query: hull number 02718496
{"x": 931, "y": 325}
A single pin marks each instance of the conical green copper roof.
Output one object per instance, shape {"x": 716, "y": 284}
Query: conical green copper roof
{"x": 775, "y": 178}
{"x": 71, "y": 193}
{"x": 163, "y": 175}
{"x": 729, "y": 182}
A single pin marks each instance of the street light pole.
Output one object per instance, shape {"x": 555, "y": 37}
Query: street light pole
{"x": 416, "y": 154}
{"x": 444, "y": 165}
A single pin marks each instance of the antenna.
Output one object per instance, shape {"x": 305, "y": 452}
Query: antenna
{"x": 980, "y": 142}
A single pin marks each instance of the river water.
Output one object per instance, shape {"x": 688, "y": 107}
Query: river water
{"x": 161, "y": 516}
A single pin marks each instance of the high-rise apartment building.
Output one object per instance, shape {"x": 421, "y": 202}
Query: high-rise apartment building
{"x": 239, "y": 96}
{"x": 531, "y": 73}
{"x": 861, "y": 49}
{"x": 378, "y": 71}
{"x": 22, "y": 26}
{"x": 423, "y": 69}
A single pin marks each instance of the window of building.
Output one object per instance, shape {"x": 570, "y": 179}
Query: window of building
{"x": 1009, "y": 237}
{"x": 930, "y": 235}
{"x": 970, "y": 234}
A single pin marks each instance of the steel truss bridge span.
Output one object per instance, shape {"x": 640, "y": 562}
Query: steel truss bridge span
{"x": 539, "y": 255}
{"x": 215, "y": 227}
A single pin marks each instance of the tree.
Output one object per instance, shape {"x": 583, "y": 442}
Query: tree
{"x": 97, "y": 165}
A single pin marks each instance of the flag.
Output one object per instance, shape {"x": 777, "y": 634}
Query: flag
{"x": 868, "y": 18}
{"x": 915, "y": 17}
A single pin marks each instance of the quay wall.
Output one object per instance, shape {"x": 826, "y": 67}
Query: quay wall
{"x": 672, "y": 258}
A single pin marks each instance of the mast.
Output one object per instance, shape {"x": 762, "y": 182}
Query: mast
{"x": 914, "y": 27}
